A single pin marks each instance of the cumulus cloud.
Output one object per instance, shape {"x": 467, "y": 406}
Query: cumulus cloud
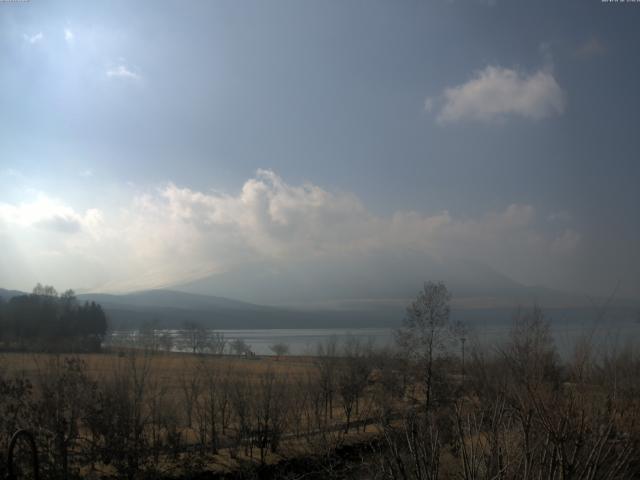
{"x": 122, "y": 71}
{"x": 32, "y": 39}
{"x": 60, "y": 223}
{"x": 176, "y": 234}
{"x": 429, "y": 104}
{"x": 270, "y": 217}
{"x": 496, "y": 92}
{"x": 68, "y": 35}
{"x": 560, "y": 216}
{"x": 591, "y": 48}
{"x": 567, "y": 241}
{"x": 43, "y": 212}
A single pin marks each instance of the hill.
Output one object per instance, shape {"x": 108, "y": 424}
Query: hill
{"x": 171, "y": 309}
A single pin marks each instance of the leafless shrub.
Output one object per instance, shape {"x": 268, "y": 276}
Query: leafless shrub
{"x": 118, "y": 420}
{"x": 15, "y": 411}
{"x": 63, "y": 394}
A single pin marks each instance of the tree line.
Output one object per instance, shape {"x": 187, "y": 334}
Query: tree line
{"x": 193, "y": 338}
{"x": 47, "y": 321}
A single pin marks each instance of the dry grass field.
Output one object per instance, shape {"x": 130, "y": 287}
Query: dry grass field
{"x": 224, "y": 410}
{"x": 136, "y": 414}
{"x": 169, "y": 366}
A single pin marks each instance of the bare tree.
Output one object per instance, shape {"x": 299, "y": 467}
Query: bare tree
{"x": 15, "y": 397}
{"x": 63, "y": 393}
{"x": 148, "y": 336}
{"x": 165, "y": 341}
{"x": 279, "y": 349}
{"x": 352, "y": 378}
{"x": 242, "y": 405}
{"x": 195, "y": 336}
{"x": 240, "y": 347}
{"x": 411, "y": 449}
{"x": 212, "y": 405}
{"x": 191, "y": 386}
{"x": 327, "y": 363}
{"x": 216, "y": 343}
{"x": 269, "y": 412}
{"x": 118, "y": 418}
{"x": 425, "y": 332}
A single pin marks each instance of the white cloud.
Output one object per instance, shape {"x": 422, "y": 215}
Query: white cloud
{"x": 560, "y": 216}
{"x": 269, "y": 216}
{"x": 591, "y": 48}
{"x": 175, "y": 234}
{"x": 32, "y": 39}
{"x": 567, "y": 241}
{"x": 429, "y": 104}
{"x": 271, "y": 220}
{"x": 496, "y": 92}
{"x": 68, "y": 35}
{"x": 42, "y": 212}
{"x": 121, "y": 71}
{"x": 12, "y": 172}
{"x": 61, "y": 224}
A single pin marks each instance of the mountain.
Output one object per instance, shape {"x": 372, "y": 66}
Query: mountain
{"x": 369, "y": 292}
{"x": 372, "y": 276}
{"x": 169, "y": 299}
{"x": 376, "y": 290}
{"x": 171, "y": 309}
{"x": 8, "y": 294}
{"x": 389, "y": 278}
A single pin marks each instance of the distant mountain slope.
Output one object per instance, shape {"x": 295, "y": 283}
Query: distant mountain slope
{"x": 7, "y": 294}
{"x": 170, "y": 308}
{"x": 392, "y": 276}
{"x": 169, "y": 299}
{"x": 370, "y": 294}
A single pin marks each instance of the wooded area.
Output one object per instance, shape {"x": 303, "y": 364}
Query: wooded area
{"x": 46, "y": 321}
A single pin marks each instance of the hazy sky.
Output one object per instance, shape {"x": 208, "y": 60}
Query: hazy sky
{"x": 150, "y": 143}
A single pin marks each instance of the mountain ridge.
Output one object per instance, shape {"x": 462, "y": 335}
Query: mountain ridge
{"x": 172, "y": 309}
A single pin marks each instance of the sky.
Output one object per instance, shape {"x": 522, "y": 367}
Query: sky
{"x": 153, "y": 144}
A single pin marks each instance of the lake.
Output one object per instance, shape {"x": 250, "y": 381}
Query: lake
{"x": 305, "y": 341}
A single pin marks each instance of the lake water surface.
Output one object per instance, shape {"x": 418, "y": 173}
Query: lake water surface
{"x": 305, "y": 341}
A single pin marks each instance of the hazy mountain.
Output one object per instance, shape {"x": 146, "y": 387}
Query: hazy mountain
{"x": 169, "y": 299}
{"x": 7, "y": 294}
{"x": 374, "y": 276}
{"x": 382, "y": 279}
{"x": 367, "y": 292}
{"x": 169, "y": 308}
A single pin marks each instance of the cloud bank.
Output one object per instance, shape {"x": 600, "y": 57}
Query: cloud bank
{"x": 175, "y": 234}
